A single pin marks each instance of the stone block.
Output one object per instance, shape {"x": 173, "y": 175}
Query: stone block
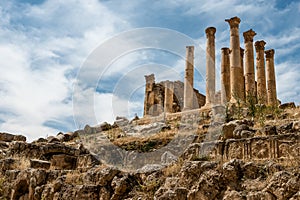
{"x": 34, "y": 163}
{"x": 63, "y": 161}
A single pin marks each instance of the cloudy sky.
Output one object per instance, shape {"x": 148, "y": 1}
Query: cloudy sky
{"x": 96, "y": 52}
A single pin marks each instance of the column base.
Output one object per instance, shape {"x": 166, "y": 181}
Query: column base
{"x": 207, "y": 106}
{"x": 186, "y": 109}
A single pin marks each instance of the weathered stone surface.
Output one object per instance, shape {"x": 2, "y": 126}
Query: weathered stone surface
{"x": 174, "y": 194}
{"x": 70, "y": 136}
{"x": 210, "y": 66}
{"x": 287, "y": 105}
{"x": 52, "y": 139}
{"x": 208, "y": 187}
{"x": 270, "y": 130}
{"x": 189, "y": 79}
{"x": 7, "y": 164}
{"x": 271, "y": 81}
{"x": 63, "y": 161}
{"x": 227, "y": 130}
{"x": 34, "y": 163}
{"x": 225, "y": 76}
{"x": 261, "y": 72}
{"x": 242, "y": 131}
{"x": 101, "y": 177}
{"x": 169, "y": 95}
{"x": 7, "y": 137}
{"x": 233, "y": 195}
{"x": 235, "y": 61}
{"x": 285, "y": 128}
{"x": 87, "y": 192}
{"x": 283, "y": 185}
{"x": 249, "y": 65}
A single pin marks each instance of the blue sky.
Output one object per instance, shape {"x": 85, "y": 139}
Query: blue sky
{"x": 44, "y": 44}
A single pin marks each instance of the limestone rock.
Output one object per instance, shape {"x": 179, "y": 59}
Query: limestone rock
{"x": 34, "y": 163}
{"x": 285, "y": 128}
{"x": 270, "y": 130}
{"x": 287, "y": 105}
{"x": 284, "y": 185}
{"x": 7, "y": 137}
{"x": 63, "y": 161}
{"x": 233, "y": 195}
{"x": 227, "y": 130}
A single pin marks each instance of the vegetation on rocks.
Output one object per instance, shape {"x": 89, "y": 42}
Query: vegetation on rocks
{"x": 238, "y": 159}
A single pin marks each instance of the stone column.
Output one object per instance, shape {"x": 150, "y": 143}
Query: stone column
{"x": 261, "y": 72}
{"x": 168, "y": 102}
{"x": 189, "y": 79}
{"x": 225, "y": 75}
{"x": 242, "y": 74}
{"x": 235, "y": 60}
{"x": 210, "y": 66}
{"x": 271, "y": 80}
{"x": 249, "y": 64}
{"x": 149, "y": 94}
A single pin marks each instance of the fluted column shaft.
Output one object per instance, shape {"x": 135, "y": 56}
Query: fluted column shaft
{"x": 235, "y": 59}
{"x": 149, "y": 95}
{"x": 225, "y": 75}
{"x": 168, "y": 102}
{"x": 271, "y": 80}
{"x": 189, "y": 78}
{"x": 261, "y": 72}
{"x": 210, "y": 66}
{"x": 249, "y": 64}
{"x": 242, "y": 77}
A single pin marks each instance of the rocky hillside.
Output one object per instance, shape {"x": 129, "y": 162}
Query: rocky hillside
{"x": 244, "y": 158}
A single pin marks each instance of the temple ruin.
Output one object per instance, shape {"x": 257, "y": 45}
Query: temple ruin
{"x": 240, "y": 80}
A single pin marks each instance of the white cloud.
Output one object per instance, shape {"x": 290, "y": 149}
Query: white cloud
{"x": 42, "y": 44}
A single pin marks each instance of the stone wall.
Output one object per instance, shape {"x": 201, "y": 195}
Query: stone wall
{"x": 282, "y": 147}
{"x": 157, "y": 93}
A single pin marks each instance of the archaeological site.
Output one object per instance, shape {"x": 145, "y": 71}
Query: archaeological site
{"x": 239, "y": 143}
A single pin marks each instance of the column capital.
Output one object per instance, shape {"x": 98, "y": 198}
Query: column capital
{"x": 270, "y": 53}
{"x": 210, "y": 31}
{"x": 242, "y": 51}
{"x": 249, "y": 35}
{"x": 233, "y": 22}
{"x": 260, "y": 45}
{"x": 226, "y": 50}
{"x": 190, "y": 48}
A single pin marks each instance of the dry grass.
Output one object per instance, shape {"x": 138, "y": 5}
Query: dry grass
{"x": 174, "y": 169}
{"x": 21, "y": 163}
{"x": 145, "y": 144}
{"x": 74, "y": 177}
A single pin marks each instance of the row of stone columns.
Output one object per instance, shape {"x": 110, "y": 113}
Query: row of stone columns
{"x": 237, "y": 84}
{"x": 242, "y": 82}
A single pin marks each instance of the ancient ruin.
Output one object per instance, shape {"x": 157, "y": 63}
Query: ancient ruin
{"x": 271, "y": 82}
{"x": 249, "y": 63}
{"x": 180, "y": 149}
{"x": 210, "y": 66}
{"x": 238, "y": 82}
{"x": 261, "y": 72}
{"x": 167, "y": 96}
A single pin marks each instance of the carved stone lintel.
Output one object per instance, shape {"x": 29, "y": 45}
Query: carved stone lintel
{"x": 260, "y": 45}
{"x": 233, "y": 22}
{"x": 249, "y": 35}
